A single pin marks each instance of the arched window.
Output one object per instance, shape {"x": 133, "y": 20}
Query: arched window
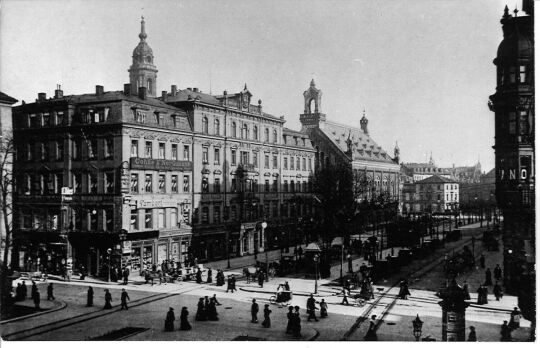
{"x": 266, "y": 135}
{"x": 216, "y": 126}
{"x": 245, "y": 131}
{"x": 149, "y": 85}
{"x": 233, "y": 129}
{"x": 275, "y": 136}
{"x": 255, "y": 133}
{"x": 205, "y": 125}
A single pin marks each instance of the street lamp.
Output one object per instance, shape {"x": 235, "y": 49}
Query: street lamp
{"x": 109, "y": 250}
{"x": 417, "y": 327}
{"x": 316, "y": 260}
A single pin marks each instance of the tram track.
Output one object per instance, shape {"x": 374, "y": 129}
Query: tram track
{"x": 66, "y": 322}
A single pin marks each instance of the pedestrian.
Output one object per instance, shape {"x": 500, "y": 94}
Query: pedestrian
{"x": 466, "y": 290}
{"x": 108, "y": 300}
{"x": 266, "y": 312}
{"x": 50, "y": 295}
{"x": 324, "y": 308}
{"x": 472, "y": 334}
{"x": 123, "y": 299}
{"x": 311, "y": 308}
{"x": 198, "y": 276}
{"x": 184, "y": 324}
{"x": 480, "y": 298}
{"x": 371, "y": 334}
{"x": 24, "y": 290}
{"x": 300, "y": 252}
{"x": 90, "y": 297}
{"x": 209, "y": 277}
{"x": 349, "y": 262}
{"x": 497, "y": 291}
{"x": 515, "y": 317}
{"x": 482, "y": 261}
{"x": 506, "y": 332}
{"x": 215, "y": 300}
{"x": 229, "y": 284}
{"x": 297, "y": 325}
{"x": 290, "y": 320}
{"x": 36, "y": 298}
{"x": 245, "y": 271}
{"x": 18, "y": 292}
{"x": 200, "y": 315}
{"x": 363, "y": 270}
{"x": 212, "y": 311}
{"x": 254, "y": 311}
{"x": 345, "y": 301}
{"x": 233, "y": 283}
{"x": 261, "y": 278}
{"x": 34, "y": 289}
{"x": 125, "y": 275}
{"x": 220, "y": 278}
{"x": 497, "y": 272}
{"x": 287, "y": 286}
{"x": 169, "y": 320}
{"x": 488, "y": 278}
{"x": 404, "y": 290}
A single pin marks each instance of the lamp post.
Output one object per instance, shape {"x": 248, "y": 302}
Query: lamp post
{"x": 341, "y": 265}
{"x": 316, "y": 260}
{"x": 417, "y": 327}
{"x": 109, "y": 250}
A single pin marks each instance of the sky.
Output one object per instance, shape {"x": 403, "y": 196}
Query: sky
{"x": 422, "y": 69}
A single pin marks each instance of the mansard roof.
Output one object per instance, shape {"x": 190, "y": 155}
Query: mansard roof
{"x": 436, "y": 179}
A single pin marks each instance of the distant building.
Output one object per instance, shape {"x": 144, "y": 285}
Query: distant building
{"x": 470, "y": 174}
{"x": 414, "y": 172}
{"x": 431, "y": 195}
{"x": 483, "y": 190}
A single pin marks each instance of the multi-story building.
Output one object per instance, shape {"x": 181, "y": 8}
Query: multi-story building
{"x": 420, "y": 171}
{"x": 435, "y": 194}
{"x": 513, "y": 105}
{"x": 6, "y": 103}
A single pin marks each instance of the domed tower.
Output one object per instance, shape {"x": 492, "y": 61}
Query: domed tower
{"x": 143, "y": 72}
{"x": 312, "y": 116}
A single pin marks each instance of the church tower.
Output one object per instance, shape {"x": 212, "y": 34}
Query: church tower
{"x": 143, "y": 72}
{"x": 312, "y": 116}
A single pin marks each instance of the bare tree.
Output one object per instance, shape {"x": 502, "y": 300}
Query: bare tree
{"x": 6, "y": 188}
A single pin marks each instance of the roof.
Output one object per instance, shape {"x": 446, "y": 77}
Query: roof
{"x": 4, "y": 98}
{"x": 289, "y": 135}
{"x": 436, "y": 179}
{"x": 112, "y": 96}
{"x": 363, "y": 146}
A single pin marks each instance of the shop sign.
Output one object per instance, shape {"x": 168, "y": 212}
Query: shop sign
{"x": 162, "y": 203}
{"x": 248, "y": 225}
{"x": 124, "y": 177}
{"x": 126, "y": 247}
{"x": 159, "y": 164}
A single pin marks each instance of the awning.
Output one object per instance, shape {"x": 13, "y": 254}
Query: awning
{"x": 337, "y": 241}
{"x": 313, "y": 247}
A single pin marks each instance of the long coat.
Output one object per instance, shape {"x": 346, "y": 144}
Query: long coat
{"x": 266, "y": 321}
{"x": 184, "y": 324}
{"x": 90, "y": 297}
{"x": 169, "y": 321}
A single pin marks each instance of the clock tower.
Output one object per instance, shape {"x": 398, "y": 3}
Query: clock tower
{"x": 143, "y": 72}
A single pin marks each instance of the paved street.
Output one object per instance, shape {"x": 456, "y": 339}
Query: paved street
{"x": 150, "y": 304}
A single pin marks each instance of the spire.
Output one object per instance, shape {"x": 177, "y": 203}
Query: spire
{"x": 506, "y": 14}
{"x": 312, "y": 84}
{"x": 142, "y": 35}
{"x": 431, "y": 158}
{"x": 364, "y": 123}
{"x": 516, "y": 11}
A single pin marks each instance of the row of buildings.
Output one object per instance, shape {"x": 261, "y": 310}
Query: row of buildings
{"x": 134, "y": 178}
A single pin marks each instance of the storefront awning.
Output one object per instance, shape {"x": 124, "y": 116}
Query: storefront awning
{"x": 337, "y": 241}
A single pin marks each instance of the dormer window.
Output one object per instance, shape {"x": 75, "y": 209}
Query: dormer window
{"x": 522, "y": 74}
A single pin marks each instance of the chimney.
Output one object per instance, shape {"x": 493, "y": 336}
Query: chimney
{"x": 225, "y": 98}
{"x": 173, "y": 90}
{"x": 163, "y": 95}
{"x": 99, "y": 90}
{"x": 189, "y": 89}
{"x": 142, "y": 92}
{"x": 58, "y": 93}
{"x": 195, "y": 89}
{"x": 259, "y": 108}
{"x": 127, "y": 88}
{"x": 42, "y": 96}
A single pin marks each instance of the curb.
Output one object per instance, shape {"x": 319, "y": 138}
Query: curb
{"x": 62, "y": 306}
{"x": 306, "y": 294}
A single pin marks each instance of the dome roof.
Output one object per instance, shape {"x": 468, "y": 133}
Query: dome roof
{"x": 514, "y": 47}
{"x": 143, "y": 49}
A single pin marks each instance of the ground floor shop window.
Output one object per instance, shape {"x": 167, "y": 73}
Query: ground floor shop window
{"x": 136, "y": 259}
{"x": 175, "y": 252}
{"x": 147, "y": 257}
{"x": 162, "y": 253}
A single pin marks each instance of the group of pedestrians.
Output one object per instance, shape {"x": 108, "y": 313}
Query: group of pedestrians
{"x": 21, "y": 293}
{"x": 207, "y": 309}
{"x": 184, "y": 323}
{"x": 508, "y": 327}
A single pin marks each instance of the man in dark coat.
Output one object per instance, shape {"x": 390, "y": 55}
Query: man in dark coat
{"x": 90, "y": 297}
{"x": 311, "y": 308}
{"x": 472, "y": 334}
{"x": 124, "y": 298}
{"x": 184, "y": 324}
{"x": 36, "y": 298}
{"x": 506, "y": 332}
{"x": 290, "y": 319}
{"x": 488, "y": 278}
{"x": 198, "y": 276}
{"x": 233, "y": 283}
{"x": 371, "y": 334}
{"x": 497, "y": 272}
{"x": 34, "y": 289}
{"x": 50, "y": 295}
{"x": 497, "y": 291}
{"x": 212, "y": 311}
{"x": 515, "y": 317}
{"x": 125, "y": 275}
{"x": 169, "y": 320}
{"x": 209, "y": 276}
{"x": 201, "y": 314}
{"x": 261, "y": 278}
{"x": 108, "y": 300}
{"x": 254, "y": 311}
{"x": 266, "y": 321}
{"x": 349, "y": 262}
{"x": 466, "y": 290}
{"x": 24, "y": 290}
{"x": 297, "y": 325}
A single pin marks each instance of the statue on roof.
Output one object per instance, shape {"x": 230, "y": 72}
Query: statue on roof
{"x": 396, "y": 153}
{"x": 349, "y": 144}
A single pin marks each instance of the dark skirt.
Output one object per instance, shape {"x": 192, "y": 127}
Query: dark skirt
{"x": 184, "y": 324}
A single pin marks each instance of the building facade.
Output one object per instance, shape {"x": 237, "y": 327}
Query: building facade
{"x": 435, "y": 194}
{"x": 513, "y": 106}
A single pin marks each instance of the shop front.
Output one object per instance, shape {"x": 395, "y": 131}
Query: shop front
{"x": 39, "y": 251}
{"x": 252, "y": 238}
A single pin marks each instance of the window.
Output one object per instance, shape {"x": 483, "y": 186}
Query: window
{"x": 266, "y": 161}
{"x": 44, "y": 151}
{"x": 134, "y": 148}
{"x": 285, "y": 186}
{"x": 255, "y": 159}
{"x": 186, "y": 183}
{"x": 244, "y": 157}
{"x": 303, "y": 164}
{"x": 275, "y": 136}
{"x": 255, "y": 133}
{"x": 205, "y": 155}
{"x": 234, "y": 214}
{"x": 216, "y": 156}
{"x": 76, "y": 150}
{"x": 204, "y": 215}
{"x": 161, "y": 150}
{"x": 304, "y": 186}
{"x": 523, "y": 123}
{"x": 109, "y": 182}
{"x": 245, "y": 131}
{"x": 233, "y": 184}
{"x": 511, "y": 123}
{"x": 148, "y": 149}
{"x": 266, "y": 135}
{"x": 159, "y": 118}
{"x": 297, "y": 163}
{"x": 275, "y": 209}
{"x": 292, "y": 186}
{"x": 77, "y": 182}
{"x": 161, "y": 218}
{"x": 46, "y": 120}
{"x": 285, "y": 163}
{"x": 255, "y": 185}
{"x": 233, "y": 157}
{"x": 217, "y": 214}
{"x": 92, "y": 183}
{"x": 233, "y": 129}
{"x": 59, "y": 118}
{"x": 216, "y": 126}
{"x": 30, "y": 151}
{"x": 134, "y": 220}
{"x": 522, "y": 73}
{"x": 135, "y": 183}
{"x": 204, "y": 187}
{"x": 309, "y": 163}
{"x": 174, "y": 152}
{"x": 33, "y": 121}
{"x": 292, "y": 163}
{"x": 58, "y": 182}
{"x": 267, "y": 209}
{"x": 161, "y": 183}
{"x": 205, "y": 125}
{"x": 148, "y": 183}
{"x": 186, "y": 152}
{"x": 174, "y": 120}
{"x": 267, "y": 185}
{"x": 274, "y": 162}
{"x": 512, "y": 74}
{"x": 92, "y": 148}
{"x": 108, "y": 150}
{"x": 217, "y": 185}
{"x": 139, "y": 116}
{"x": 148, "y": 218}
{"x": 275, "y": 186}
{"x": 174, "y": 217}
{"x": 174, "y": 183}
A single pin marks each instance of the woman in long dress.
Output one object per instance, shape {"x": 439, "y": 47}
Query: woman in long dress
{"x": 200, "y": 315}
{"x": 90, "y": 297}
{"x": 266, "y": 321}
{"x": 184, "y": 324}
{"x": 108, "y": 300}
{"x": 169, "y": 320}
{"x": 324, "y": 308}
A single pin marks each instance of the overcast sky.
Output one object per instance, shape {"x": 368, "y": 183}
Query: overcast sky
{"x": 422, "y": 69}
